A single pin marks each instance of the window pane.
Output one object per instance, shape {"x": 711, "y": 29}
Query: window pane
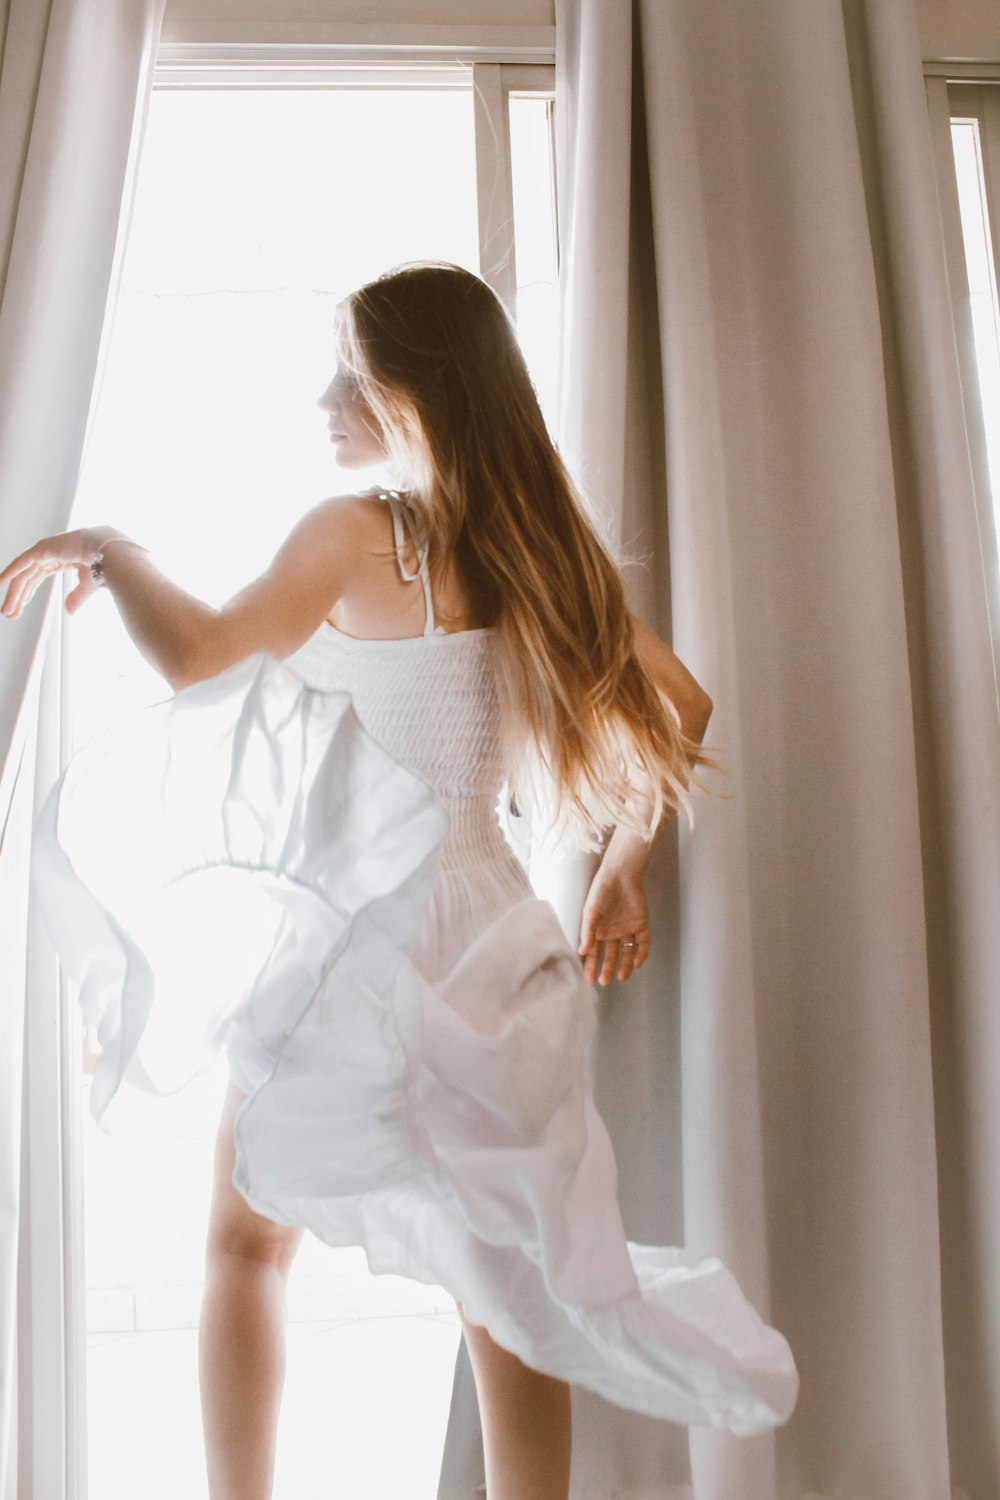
{"x": 982, "y": 284}
{"x": 535, "y": 239}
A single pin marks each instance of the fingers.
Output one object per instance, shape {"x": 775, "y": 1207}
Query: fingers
{"x": 607, "y": 959}
{"x": 13, "y": 567}
{"x": 587, "y": 934}
{"x": 634, "y": 958}
{"x": 627, "y": 965}
{"x": 25, "y": 580}
{"x": 23, "y": 583}
{"x": 9, "y": 576}
{"x": 25, "y": 574}
{"x": 589, "y": 948}
{"x": 80, "y": 594}
{"x": 24, "y": 587}
{"x": 590, "y": 957}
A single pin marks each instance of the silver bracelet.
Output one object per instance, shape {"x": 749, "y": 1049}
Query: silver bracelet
{"x": 96, "y": 566}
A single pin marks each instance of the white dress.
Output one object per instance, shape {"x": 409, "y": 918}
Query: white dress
{"x": 302, "y": 862}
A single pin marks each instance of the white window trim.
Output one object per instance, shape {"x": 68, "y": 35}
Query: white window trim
{"x": 339, "y": 41}
{"x": 963, "y": 69}
{"x": 981, "y": 102}
{"x": 51, "y": 1319}
{"x": 494, "y": 85}
{"x": 952, "y": 91}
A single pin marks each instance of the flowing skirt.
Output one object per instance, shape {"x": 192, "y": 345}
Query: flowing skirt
{"x": 243, "y": 867}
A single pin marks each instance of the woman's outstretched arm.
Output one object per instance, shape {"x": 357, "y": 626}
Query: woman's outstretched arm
{"x": 185, "y": 639}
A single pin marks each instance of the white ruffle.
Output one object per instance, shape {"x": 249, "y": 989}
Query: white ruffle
{"x": 243, "y": 866}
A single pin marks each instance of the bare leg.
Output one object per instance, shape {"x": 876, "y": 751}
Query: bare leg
{"x": 527, "y": 1425}
{"x": 242, "y": 1339}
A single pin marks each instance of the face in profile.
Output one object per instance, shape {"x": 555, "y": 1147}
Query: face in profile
{"x": 354, "y": 430}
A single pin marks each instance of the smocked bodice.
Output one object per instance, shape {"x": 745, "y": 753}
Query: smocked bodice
{"x": 431, "y": 701}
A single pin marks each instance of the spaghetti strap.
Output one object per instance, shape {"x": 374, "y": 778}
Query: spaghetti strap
{"x": 401, "y": 523}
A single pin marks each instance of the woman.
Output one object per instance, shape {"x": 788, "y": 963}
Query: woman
{"x": 480, "y": 628}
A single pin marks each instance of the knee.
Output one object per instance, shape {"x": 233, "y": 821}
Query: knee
{"x": 250, "y": 1243}
{"x": 238, "y": 1236}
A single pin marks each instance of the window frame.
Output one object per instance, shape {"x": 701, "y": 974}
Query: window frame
{"x": 964, "y": 91}
{"x": 981, "y": 102}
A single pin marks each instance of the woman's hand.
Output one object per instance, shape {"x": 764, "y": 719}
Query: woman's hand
{"x": 615, "y": 914}
{"x": 72, "y": 549}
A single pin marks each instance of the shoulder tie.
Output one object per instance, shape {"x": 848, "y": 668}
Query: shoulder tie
{"x": 402, "y": 523}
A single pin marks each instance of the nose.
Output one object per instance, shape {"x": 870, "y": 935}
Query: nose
{"x": 328, "y": 401}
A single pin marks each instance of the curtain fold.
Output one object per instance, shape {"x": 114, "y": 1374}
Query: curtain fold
{"x": 952, "y": 596}
{"x": 74, "y": 82}
{"x": 73, "y": 87}
{"x": 761, "y": 398}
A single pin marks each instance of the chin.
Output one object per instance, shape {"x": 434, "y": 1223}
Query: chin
{"x": 355, "y": 460}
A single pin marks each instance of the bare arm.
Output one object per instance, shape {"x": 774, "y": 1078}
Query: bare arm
{"x": 616, "y": 909}
{"x": 184, "y": 638}
{"x": 673, "y": 680}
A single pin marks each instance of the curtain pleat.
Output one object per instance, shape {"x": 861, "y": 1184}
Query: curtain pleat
{"x": 73, "y": 87}
{"x": 74, "y": 82}
{"x": 952, "y": 594}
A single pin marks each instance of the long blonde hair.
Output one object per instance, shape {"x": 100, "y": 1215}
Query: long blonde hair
{"x": 589, "y": 741}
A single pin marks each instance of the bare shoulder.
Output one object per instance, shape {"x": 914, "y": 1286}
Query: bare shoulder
{"x": 278, "y": 611}
{"x": 342, "y": 521}
{"x": 344, "y": 515}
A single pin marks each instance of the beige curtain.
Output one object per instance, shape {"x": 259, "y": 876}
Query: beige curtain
{"x": 74, "y": 80}
{"x": 762, "y": 397}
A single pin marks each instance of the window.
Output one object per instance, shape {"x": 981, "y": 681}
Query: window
{"x": 975, "y": 134}
{"x": 265, "y": 193}
{"x": 964, "y": 106}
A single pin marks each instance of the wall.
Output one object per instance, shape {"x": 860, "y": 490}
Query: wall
{"x": 960, "y": 28}
{"x": 335, "y": 20}
{"x": 385, "y": 12}
{"x": 949, "y": 28}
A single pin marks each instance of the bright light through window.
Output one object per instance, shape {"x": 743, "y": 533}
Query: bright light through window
{"x": 982, "y": 285}
{"x": 257, "y": 210}
{"x": 535, "y": 236}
